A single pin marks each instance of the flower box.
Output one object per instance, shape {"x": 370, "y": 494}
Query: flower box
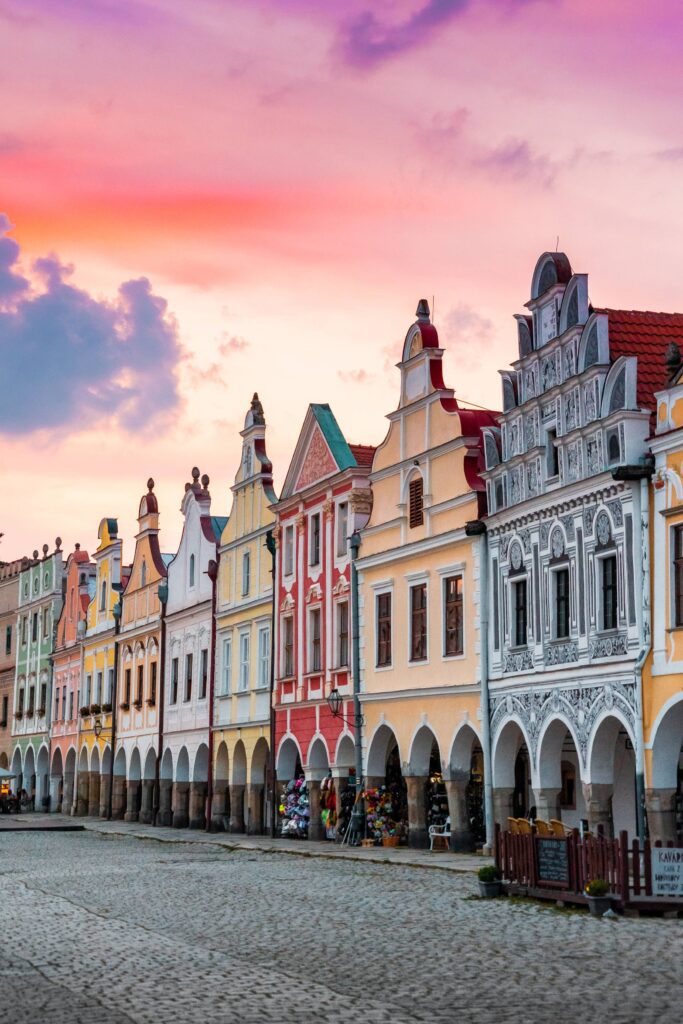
{"x": 151, "y": 702}
{"x": 85, "y": 711}
{"x": 106, "y": 708}
{"x": 18, "y": 714}
{"x": 390, "y": 840}
{"x": 124, "y": 705}
{"x": 41, "y": 712}
{"x": 95, "y": 709}
{"x": 137, "y": 704}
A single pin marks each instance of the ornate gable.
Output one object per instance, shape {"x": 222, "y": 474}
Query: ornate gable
{"x": 318, "y": 461}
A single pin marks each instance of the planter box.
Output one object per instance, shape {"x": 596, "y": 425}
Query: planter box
{"x": 106, "y": 708}
{"x": 599, "y": 905}
{"x": 490, "y": 889}
{"x": 390, "y": 840}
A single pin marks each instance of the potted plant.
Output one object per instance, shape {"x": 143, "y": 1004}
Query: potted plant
{"x": 106, "y": 708}
{"x": 85, "y": 711}
{"x": 150, "y": 702}
{"x": 18, "y": 714}
{"x": 490, "y": 881}
{"x": 138, "y": 704}
{"x": 41, "y": 712}
{"x": 599, "y": 900}
{"x": 124, "y": 705}
{"x": 95, "y": 709}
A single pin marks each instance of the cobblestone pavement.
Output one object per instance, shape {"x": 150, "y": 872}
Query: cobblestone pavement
{"x": 117, "y": 929}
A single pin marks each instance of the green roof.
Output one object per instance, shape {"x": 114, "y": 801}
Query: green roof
{"x": 336, "y": 441}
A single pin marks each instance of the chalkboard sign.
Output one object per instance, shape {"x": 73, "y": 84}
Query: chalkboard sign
{"x": 552, "y": 859}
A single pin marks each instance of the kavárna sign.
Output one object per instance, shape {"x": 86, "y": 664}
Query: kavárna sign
{"x": 667, "y": 871}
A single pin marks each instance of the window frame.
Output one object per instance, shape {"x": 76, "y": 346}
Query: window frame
{"x": 380, "y": 619}
{"x": 175, "y": 680}
{"x": 188, "y": 677}
{"x": 288, "y": 666}
{"x": 246, "y": 573}
{"x": 416, "y": 509}
{"x": 314, "y": 642}
{"x": 414, "y": 587}
{"x": 342, "y": 609}
{"x": 459, "y": 602}
{"x": 341, "y": 541}
{"x": 244, "y": 663}
{"x": 677, "y": 574}
{"x": 288, "y": 544}
{"x": 603, "y": 559}
{"x": 226, "y": 666}
{"x": 516, "y": 586}
{"x": 315, "y": 539}
{"x": 263, "y": 667}
{"x": 203, "y": 673}
{"x": 556, "y": 572}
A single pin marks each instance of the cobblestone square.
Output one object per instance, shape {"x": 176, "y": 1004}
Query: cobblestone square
{"x": 111, "y": 928}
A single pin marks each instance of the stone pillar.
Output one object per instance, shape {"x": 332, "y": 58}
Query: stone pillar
{"x": 315, "y": 825}
{"x": 417, "y": 811}
{"x": 118, "y": 799}
{"x": 220, "y": 809}
{"x": 147, "y": 803}
{"x": 255, "y": 809}
{"x": 105, "y": 784}
{"x": 165, "y": 815}
{"x": 661, "y": 814}
{"x": 133, "y": 791}
{"x": 502, "y": 805}
{"x": 94, "y": 794}
{"x": 547, "y": 803}
{"x": 598, "y": 797}
{"x": 236, "y": 809}
{"x": 198, "y": 804}
{"x": 55, "y": 794}
{"x": 181, "y": 793}
{"x": 456, "y": 791}
{"x": 82, "y": 788}
{"x": 68, "y": 793}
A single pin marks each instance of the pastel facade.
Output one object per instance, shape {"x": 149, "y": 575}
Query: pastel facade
{"x": 663, "y": 675}
{"x": 569, "y": 560}
{"x": 99, "y": 667}
{"x": 420, "y": 597}
{"x": 324, "y": 500}
{"x": 9, "y": 600}
{"x": 189, "y": 662}
{"x": 241, "y": 738}
{"x": 71, "y": 691}
{"x": 139, "y": 671}
{"x": 39, "y": 608}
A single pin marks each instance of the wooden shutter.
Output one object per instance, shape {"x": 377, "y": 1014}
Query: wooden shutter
{"x": 416, "y": 506}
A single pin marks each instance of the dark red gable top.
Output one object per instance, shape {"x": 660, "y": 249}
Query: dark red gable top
{"x": 647, "y": 336}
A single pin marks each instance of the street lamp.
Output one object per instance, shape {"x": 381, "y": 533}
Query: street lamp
{"x": 334, "y": 702}
{"x": 97, "y": 727}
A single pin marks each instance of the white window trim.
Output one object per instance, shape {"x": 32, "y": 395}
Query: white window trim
{"x": 244, "y": 634}
{"x": 552, "y": 579}
{"x": 311, "y": 516}
{"x": 283, "y": 619}
{"x": 380, "y": 588}
{"x": 600, "y": 557}
{"x": 246, "y": 577}
{"x": 288, "y": 529}
{"x": 310, "y": 671}
{"x": 226, "y": 666}
{"x": 512, "y": 583}
{"x": 446, "y": 574}
{"x": 337, "y": 644}
{"x": 264, "y": 627}
{"x": 416, "y": 579}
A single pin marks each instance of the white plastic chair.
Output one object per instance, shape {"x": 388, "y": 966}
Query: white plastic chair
{"x": 440, "y": 832}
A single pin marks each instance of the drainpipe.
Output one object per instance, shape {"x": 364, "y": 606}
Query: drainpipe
{"x": 212, "y": 573}
{"x": 118, "y": 608}
{"x": 473, "y": 529}
{"x": 355, "y": 626}
{"x": 642, "y": 473}
{"x": 272, "y": 549}
{"x": 163, "y": 598}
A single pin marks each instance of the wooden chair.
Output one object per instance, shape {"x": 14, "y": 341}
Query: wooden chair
{"x": 523, "y": 827}
{"x": 543, "y": 828}
{"x": 512, "y": 827}
{"x": 440, "y": 835}
{"x": 559, "y": 828}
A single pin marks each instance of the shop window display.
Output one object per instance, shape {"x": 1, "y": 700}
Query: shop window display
{"x": 386, "y": 807}
{"x": 436, "y": 800}
{"x": 346, "y": 799}
{"x": 328, "y": 807}
{"x": 294, "y": 807}
{"x": 475, "y": 796}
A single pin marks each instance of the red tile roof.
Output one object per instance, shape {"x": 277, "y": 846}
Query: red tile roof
{"x": 647, "y": 336}
{"x": 363, "y": 453}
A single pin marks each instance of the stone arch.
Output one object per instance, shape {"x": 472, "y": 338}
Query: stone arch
{"x": 182, "y": 768}
{"x": 106, "y": 760}
{"x": 220, "y": 804}
{"x": 95, "y": 760}
{"x": 222, "y": 771}
{"x": 200, "y": 769}
{"x": 239, "y": 764}
{"x": 318, "y": 757}
{"x": 557, "y": 788}
{"x": 149, "y": 770}
{"x": 464, "y": 742}
{"x": 550, "y": 743}
{"x": 288, "y": 755}
{"x": 166, "y": 770}
{"x": 57, "y": 764}
{"x": 4, "y": 761}
{"x": 511, "y": 772}
{"x": 382, "y": 740}
{"x": 505, "y": 747}
{"x": 17, "y": 767}
{"x": 259, "y": 761}
{"x": 609, "y": 791}
{"x": 164, "y": 813}
{"x": 465, "y": 788}
{"x": 30, "y": 771}
{"x": 601, "y": 753}
{"x": 421, "y": 750}
{"x": 667, "y": 737}
{"x": 120, "y": 762}
{"x": 70, "y": 761}
{"x": 83, "y": 760}
{"x": 345, "y": 754}
{"x": 135, "y": 768}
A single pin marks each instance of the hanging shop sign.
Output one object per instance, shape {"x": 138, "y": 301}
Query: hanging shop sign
{"x": 552, "y": 860}
{"x": 667, "y": 871}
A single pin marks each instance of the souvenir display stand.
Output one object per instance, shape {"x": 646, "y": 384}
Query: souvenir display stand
{"x": 385, "y": 815}
{"x": 328, "y": 807}
{"x": 294, "y": 809}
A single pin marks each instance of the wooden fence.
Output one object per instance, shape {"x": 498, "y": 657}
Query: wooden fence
{"x": 560, "y": 868}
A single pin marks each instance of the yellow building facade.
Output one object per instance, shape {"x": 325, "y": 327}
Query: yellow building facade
{"x": 99, "y": 668}
{"x": 419, "y": 579}
{"x": 244, "y": 609}
{"x": 663, "y": 673}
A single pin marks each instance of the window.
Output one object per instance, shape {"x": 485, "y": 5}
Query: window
{"x": 416, "y": 502}
{"x": 289, "y": 550}
{"x": 343, "y": 634}
{"x": 31, "y": 700}
{"x": 678, "y": 575}
{"x": 43, "y": 697}
{"x": 64, "y": 703}
{"x": 24, "y": 629}
{"x": 174, "y": 681}
{"x": 110, "y": 686}
{"x": 188, "y": 677}
{"x": 141, "y": 682}
{"x": 143, "y": 573}
{"x": 57, "y": 704}
{"x": 5, "y": 710}
{"x": 204, "y": 672}
{"x": 153, "y": 684}
{"x": 88, "y": 689}
{"x": 561, "y": 603}
{"x": 453, "y": 627}
{"x": 263, "y": 656}
{"x": 71, "y": 705}
{"x": 552, "y": 455}
{"x": 314, "y": 640}
{"x": 314, "y": 539}
{"x": 609, "y": 592}
{"x": 227, "y": 664}
{"x": 46, "y": 622}
{"x": 383, "y": 630}
{"x": 191, "y": 570}
{"x": 126, "y": 689}
{"x": 103, "y": 596}
{"x": 568, "y": 790}
{"x": 246, "y": 572}
{"x": 418, "y": 622}
{"x": 288, "y": 646}
{"x": 8, "y": 640}
{"x": 21, "y": 699}
{"x": 98, "y": 689}
{"x": 519, "y": 607}
{"x": 34, "y": 627}
{"x": 243, "y": 683}
{"x": 342, "y": 527}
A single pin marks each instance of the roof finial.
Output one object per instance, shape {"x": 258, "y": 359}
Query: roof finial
{"x": 77, "y": 547}
{"x": 58, "y": 543}
{"x": 422, "y": 312}
{"x": 45, "y": 550}
{"x": 195, "y": 474}
{"x": 257, "y": 409}
{"x": 150, "y": 484}
{"x": 205, "y": 481}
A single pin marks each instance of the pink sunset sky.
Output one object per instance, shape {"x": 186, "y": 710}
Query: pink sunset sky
{"x": 200, "y": 200}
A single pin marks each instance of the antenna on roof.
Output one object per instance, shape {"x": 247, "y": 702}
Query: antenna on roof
{"x": 557, "y": 243}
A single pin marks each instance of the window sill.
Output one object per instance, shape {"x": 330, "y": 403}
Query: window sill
{"x": 415, "y": 662}
{"x": 453, "y": 657}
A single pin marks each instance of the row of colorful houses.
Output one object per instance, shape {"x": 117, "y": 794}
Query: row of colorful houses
{"x": 481, "y": 618}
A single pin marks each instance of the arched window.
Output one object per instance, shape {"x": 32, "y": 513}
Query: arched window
{"x": 246, "y": 571}
{"x": 143, "y": 574}
{"x": 103, "y": 596}
{"x": 416, "y": 502}
{"x": 191, "y": 570}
